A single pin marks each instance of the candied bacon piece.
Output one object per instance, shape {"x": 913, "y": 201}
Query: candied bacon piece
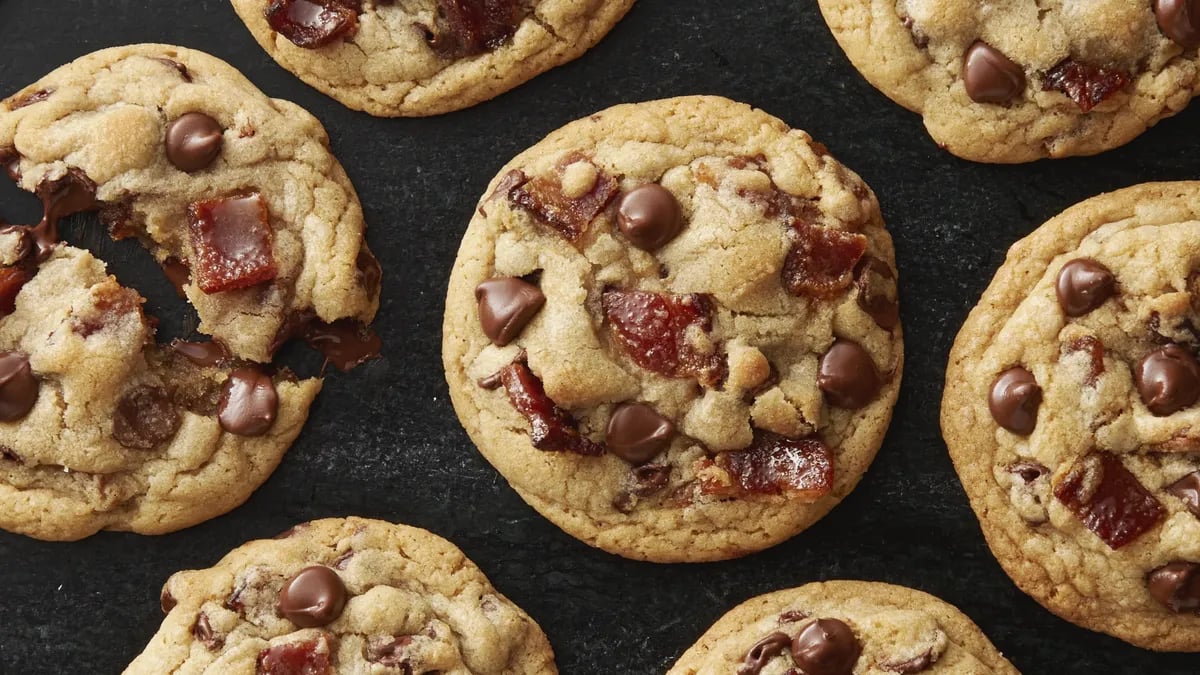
{"x": 12, "y": 280}
{"x": 310, "y": 657}
{"x": 821, "y": 261}
{"x": 231, "y": 238}
{"x": 1086, "y": 84}
{"x": 312, "y": 23}
{"x": 1108, "y": 499}
{"x": 570, "y": 216}
{"x": 550, "y": 427}
{"x": 801, "y": 468}
{"x": 654, "y": 329}
{"x": 472, "y": 27}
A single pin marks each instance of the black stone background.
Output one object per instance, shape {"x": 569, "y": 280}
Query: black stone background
{"x": 383, "y": 440}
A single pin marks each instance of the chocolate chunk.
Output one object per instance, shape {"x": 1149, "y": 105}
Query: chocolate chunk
{"x": 345, "y": 343}
{"x": 202, "y": 630}
{"x": 637, "y": 433}
{"x": 1083, "y": 285}
{"x": 877, "y": 291}
{"x": 649, "y": 216}
{"x": 471, "y": 27}
{"x": 389, "y": 651}
{"x": 848, "y": 375}
{"x": 177, "y": 66}
{"x": 18, "y": 386}
{"x": 204, "y": 354}
{"x": 826, "y": 647}
{"x": 1086, "y": 84}
{"x": 166, "y": 601}
{"x": 1179, "y": 20}
{"x": 370, "y": 273}
{"x": 1168, "y": 380}
{"x": 506, "y": 305}
{"x": 989, "y": 76}
{"x": 231, "y": 243}
{"x": 194, "y": 141}
{"x": 1187, "y": 489}
{"x": 145, "y": 419}
{"x": 643, "y": 481}
{"x": 762, "y": 652}
{"x": 1176, "y": 586}
{"x": 313, "y": 597}
{"x": 916, "y": 664}
{"x": 311, "y": 23}
{"x": 1014, "y": 400}
{"x": 248, "y": 403}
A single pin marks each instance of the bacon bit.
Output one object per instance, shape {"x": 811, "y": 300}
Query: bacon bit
{"x": 312, "y": 23}
{"x": 310, "y": 657}
{"x": 1108, "y": 499}
{"x": 543, "y": 197}
{"x": 471, "y": 27}
{"x": 1095, "y": 351}
{"x": 12, "y": 280}
{"x": 822, "y": 260}
{"x": 550, "y": 427}
{"x": 799, "y": 468}
{"x": 654, "y": 328}
{"x": 231, "y": 238}
{"x": 1086, "y": 84}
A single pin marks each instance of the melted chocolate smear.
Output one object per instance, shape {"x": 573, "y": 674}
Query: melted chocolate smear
{"x": 344, "y": 343}
{"x": 178, "y": 274}
{"x": 204, "y": 354}
{"x": 71, "y": 193}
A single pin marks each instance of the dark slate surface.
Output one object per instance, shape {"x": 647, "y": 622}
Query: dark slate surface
{"x": 383, "y": 441}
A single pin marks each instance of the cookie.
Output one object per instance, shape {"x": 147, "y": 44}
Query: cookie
{"x": 673, "y": 327}
{"x": 1070, "y": 413}
{"x": 1024, "y": 80}
{"x": 410, "y": 59}
{"x": 239, "y": 199}
{"x": 839, "y": 628}
{"x": 347, "y": 596}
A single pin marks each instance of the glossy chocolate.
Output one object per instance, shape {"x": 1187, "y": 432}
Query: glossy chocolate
{"x": 1176, "y": 586}
{"x": 248, "y": 403}
{"x": 637, "y": 433}
{"x": 314, "y": 597}
{"x": 1014, "y": 400}
{"x": 1083, "y": 285}
{"x": 1179, "y": 20}
{"x": 762, "y": 652}
{"x": 649, "y": 216}
{"x": 848, "y": 376}
{"x": 194, "y": 141}
{"x": 826, "y": 647}
{"x": 1168, "y": 379}
{"x": 18, "y": 386}
{"x": 989, "y": 76}
{"x": 506, "y": 305}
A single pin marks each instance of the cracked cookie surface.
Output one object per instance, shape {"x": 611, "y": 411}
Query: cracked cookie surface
{"x": 343, "y": 596}
{"x": 237, "y": 196}
{"x": 1021, "y": 80}
{"x": 424, "y": 57}
{"x": 839, "y": 628}
{"x": 1070, "y": 414}
{"x": 672, "y": 326}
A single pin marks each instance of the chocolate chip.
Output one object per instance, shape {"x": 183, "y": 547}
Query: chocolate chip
{"x": 877, "y": 291}
{"x": 826, "y": 647}
{"x": 989, "y": 76}
{"x": 506, "y": 305}
{"x": 194, "y": 141}
{"x": 313, "y": 597}
{"x": 1177, "y": 586}
{"x": 248, "y": 403}
{"x": 1187, "y": 489}
{"x": 649, "y": 215}
{"x": 848, "y": 375}
{"x": 204, "y": 354}
{"x": 1179, "y": 20}
{"x": 762, "y": 652}
{"x": 1029, "y": 471}
{"x": 166, "y": 601}
{"x": 145, "y": 419}
{"x": 389, "y": 651}
{"x": 177, "y": 66}
{"x": 637, "y": 433}
{"x": 1083, "y": 285}
{"x": 1168, "y": 380}
{"x": 203, "y": 631}
{"x": 1014, "y": 400}
{"x": 916, "y": 664}
{"x": 18, "y": 386}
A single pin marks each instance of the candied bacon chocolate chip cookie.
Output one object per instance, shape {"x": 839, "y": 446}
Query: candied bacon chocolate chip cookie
{"x": 1071, "y": 414}
{"x": 673, "y": 327}
{"x": 1021, "y": 80}
{"x": 843, "y": 628}
{"x": 343, "y": 596}
{"x": 239, "y": 199}
{"x": 424, "y": 57}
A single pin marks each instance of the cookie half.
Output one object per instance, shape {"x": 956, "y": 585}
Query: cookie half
{"x": 1022, "y": 80}
{"x": 843, "y": 627}
{"x": 1071, "y": 414}
{"x": 673, "y": 327}
{"x": 348, "y": 596}
{"x": 238, "y": 197}
{"x": 410, "y": 59}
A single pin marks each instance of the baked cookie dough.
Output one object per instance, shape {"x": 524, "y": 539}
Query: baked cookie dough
{"x": 1021, "y": 80}
{"x": 424, "y": 57}
{"x": 673, "y": 327}
{"x": 1070, "y": 413}
{"x": 843, "y": 628}
{"x": 343, "y": 596}
{"x": 239, "y": 199}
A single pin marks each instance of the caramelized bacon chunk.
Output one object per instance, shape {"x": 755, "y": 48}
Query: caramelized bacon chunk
{"x": 1088, "y": 85}
{"x": 658, "y": 331}
{"x": 472, "y": 27}
{"x": 550, "y": 427}
{"x": 821, "y": 261}
{"x": 312, "y": 23}
{"x": 231, "y": 238}
{"x": 543, "y": 197}
{"x": 799, "y": 468}
{"x": 1108, "y": 499}
{"x": 310, "y": 657}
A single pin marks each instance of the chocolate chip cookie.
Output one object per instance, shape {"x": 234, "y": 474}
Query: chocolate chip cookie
{"x": 239, "y": 199}
{"x": 409, "y": 59}
{"x": 1023, "y": 80}
{"x": 840, "y": 628}
{"x": 1070, "y": 413}
{"x": 673, "y": 327}
{"x": 346, "y": 596}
